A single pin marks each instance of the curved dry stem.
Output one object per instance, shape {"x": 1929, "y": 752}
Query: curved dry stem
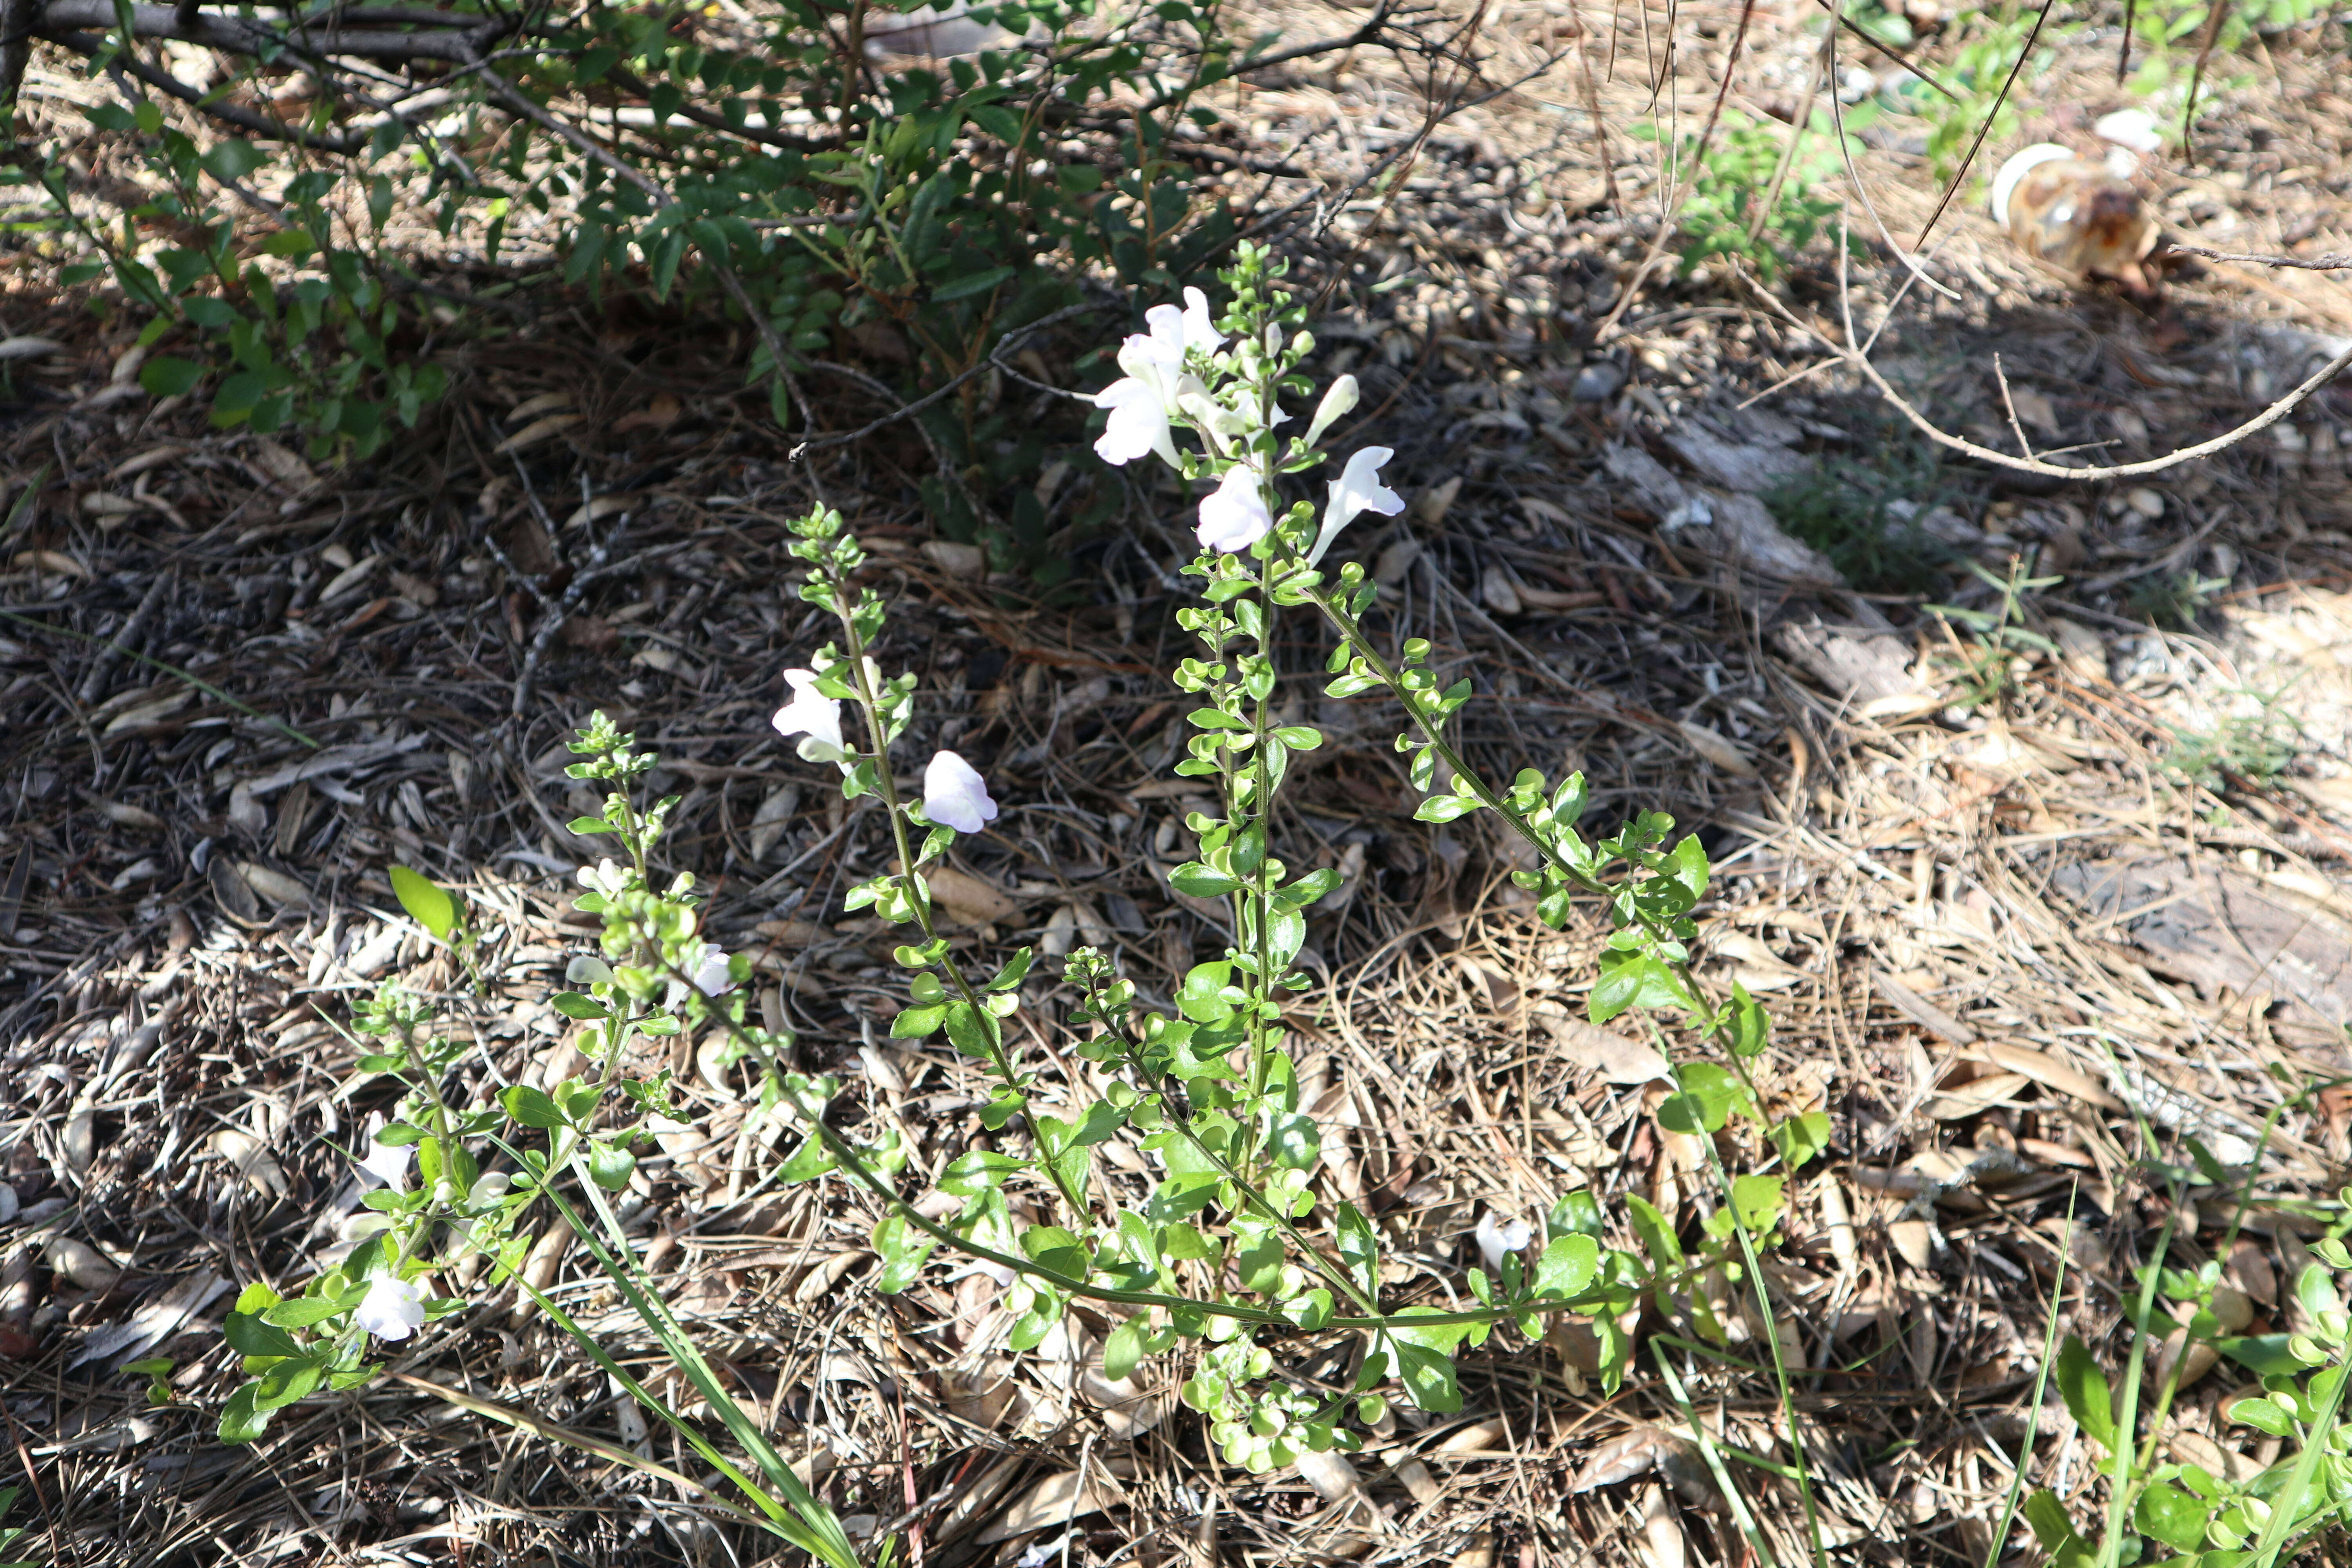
{"x": 1858, "y": 360}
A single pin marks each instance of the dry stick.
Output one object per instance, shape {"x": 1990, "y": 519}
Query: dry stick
{"x": 1897, "y": 56}
{"x": 247, "y": 120}
{"x": 1860, "y": 362}
{"x": 1797, "y": 125}
{"x": 2334, "y": 261}
{"x": 1985, "y": 130}
{"x": 2197, "y": 76}
{"x": 2010, "y": 405}
{"x": 1698, "y": 163}
{"x": 1853, "y": 178}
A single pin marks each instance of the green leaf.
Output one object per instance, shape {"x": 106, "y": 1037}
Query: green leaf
{"x": 1442, "y": 808}
{"x": 170, "y": 378}
{"x": 1746, "y": 1027}
{"x": 918, "y": 1023}
{"x": 1801, "y": 1138}
{"x": 430, "y": 906}
{"x": 903, "y": 1249}
{"x": 2084, "y": 1388}
{"x": 1123, "y": 1350}
{"x": 1567, "y": 1265}
{"x": 1359, "y": 1248}
{"x": 1427, "y": 1375}
{"x": 974, "y": 1032}
{"x": 966, "y": 287}
{"x": 976, "y": 1171}
{"x": 2172, "y": 1516}
{"x": 611, "y": 1165}
{"x": 577, "y": 1005}
{"x": 2265, "y": 1354}
{"x": 303, "y": 1310}
{"x": 531, "y": 1108}
{"x": 1200, "y": 882}
{"x": 1756, "y": 1200}
{"x": 1708, "y": 1094}
{"x": 289, "y": 244}
{"x": 248, "y": 1335}
{"x": 2264, "y": 1415}
{"x": 230, "y": 159}
{"x": 241, "y": 1421}
{"x": 2047, "y": 1516}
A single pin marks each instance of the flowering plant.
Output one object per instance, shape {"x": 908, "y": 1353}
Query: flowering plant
{"x": 1235, "y": 1268}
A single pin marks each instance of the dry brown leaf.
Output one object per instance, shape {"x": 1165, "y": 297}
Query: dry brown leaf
{"x": 2051, "y": 1073}
{"x": 250, "y": 1156}
{"x": 83, "y": 1266}
{"x": 537, "y": 430}
{"x": 1596, "y": 1050}
{"x": 1715, "y": 749}
{"x": 1057, "y": 1500}
{"x": 1976, "y": 1096}
{"x": 970, "y": 900}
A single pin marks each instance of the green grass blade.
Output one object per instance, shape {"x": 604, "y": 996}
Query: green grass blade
{"x": 2041, "y": 1383}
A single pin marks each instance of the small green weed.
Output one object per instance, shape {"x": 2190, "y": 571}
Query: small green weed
{"x": 1989, "y": 667}
{"x": 2175, "y": 600}
{"x": 1720, "y": 217}
{"x": 2256, "y": 747}
{"x": 1845, "y": 507}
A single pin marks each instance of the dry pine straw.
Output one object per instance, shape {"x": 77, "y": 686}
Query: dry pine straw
{"x": 1891, "y": 894}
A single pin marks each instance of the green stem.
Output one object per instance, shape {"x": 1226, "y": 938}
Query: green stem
{"x": 919, "y": 894}
{"x": 1434, "y": 738}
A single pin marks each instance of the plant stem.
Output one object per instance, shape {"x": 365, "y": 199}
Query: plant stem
{"x": 918, "y": 895}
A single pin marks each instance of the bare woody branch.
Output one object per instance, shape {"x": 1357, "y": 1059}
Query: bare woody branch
{"x": 235, "y": 35}
{"x": 1857, "y": 359}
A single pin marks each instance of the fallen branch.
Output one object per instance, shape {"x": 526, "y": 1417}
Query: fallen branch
{"x": 2334, "y": 261}
{"x": 237, "y": 36}
{"x": 1858, "y": 360}
{"x": 261, "y": 125}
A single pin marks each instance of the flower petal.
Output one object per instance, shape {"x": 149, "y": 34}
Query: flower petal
{"x": 1357, "y": 489}
{"x": 955, "y": 795}
{"x": 1233, "y": 516}
{"x": 391, "y": 1309}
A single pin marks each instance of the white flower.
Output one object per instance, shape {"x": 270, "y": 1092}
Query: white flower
{"x": 955, "y": 795}
{"x": 603, "y": 878}
{"x": 1336, "y": 402}
{"x": 1200, "y": 332}
{"x": 1233, "y": 515}
{"x": 812, "y": 716}
{"x": 708, "y": 966}
{"x": 387, "y": 1162}
{"x": 392, "y": 1309}
{"x": 1141, "y": 401}
{"x": 1497, "y": 1241}
{"x": 1358, "y": 488}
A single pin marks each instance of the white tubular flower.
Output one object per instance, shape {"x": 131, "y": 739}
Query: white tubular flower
{"x": 955, "y": 795}
{"x": 812, "y": 716}
{"x": 392, "y": 1309}
{"x": 1336, "y": 402}
{"x": 1233, "y": 515}
{"x": 1200, "y": 332}
{"x": 1496, "y": 1242}
{"x": 1141, "y": 401}
{"x": 1357, "y": 489}
{"x": 603, "y": 878}
{"x": 708, "y": 966}
{"x": 387, "y": 1162}
{"x": 1139, "y": 415}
